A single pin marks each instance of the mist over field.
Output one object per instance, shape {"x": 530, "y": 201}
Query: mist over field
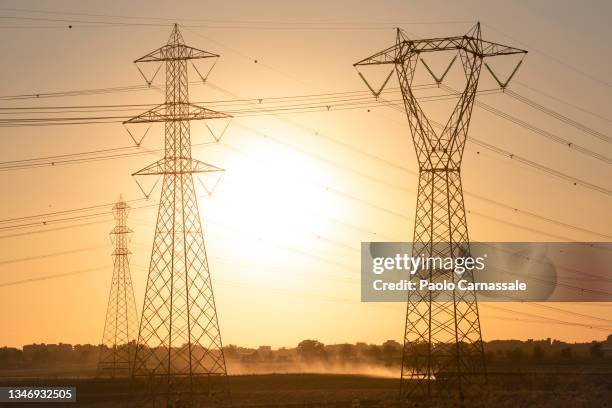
{"x": 370, "y": 370}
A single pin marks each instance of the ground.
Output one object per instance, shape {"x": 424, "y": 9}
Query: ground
{"x": 350, "y": 391}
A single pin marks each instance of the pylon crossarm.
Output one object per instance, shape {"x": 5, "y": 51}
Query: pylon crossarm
{"x": 121, "y": 229}
{"x": 204, "y": 77}
{"x": 146, "y": 194}
{"x": 440, "y": 79}
{"x": 492, "y": 49}
{"x": 177, "y": 165}
{"x": 375, "y": 93}
{"x": 220, "y": 136}
{"x": 387, "y": 56}
{"x": 469, "y": 44}
{"x": 503, "y": 85}
{"x": 173, "y": 52}
{"x": 137, "y": 142}
{"x": 210, "y": 190}
{"x": 398, "y": 53}
{"x": 179, "y": 111}
{"x": 147, "y": 80}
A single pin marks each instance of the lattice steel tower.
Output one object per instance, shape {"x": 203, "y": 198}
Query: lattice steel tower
{"x": 121, "y": 325}
{"x": 179, "y": 343}
{"x": 443, "y": 347}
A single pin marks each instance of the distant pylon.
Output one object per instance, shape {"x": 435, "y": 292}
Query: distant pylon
{"x": 121, "y": 325}
{"x": 179, "y": 350}
{"x": 443, "y": 349}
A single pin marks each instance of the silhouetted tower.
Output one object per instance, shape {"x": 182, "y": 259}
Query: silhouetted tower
{"x": 121, "y": 325}
{"x": 443, "y": 342}
{"x": 179, "y": 343}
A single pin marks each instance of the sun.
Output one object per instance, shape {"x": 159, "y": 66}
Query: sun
{"x": 272, "y": 205}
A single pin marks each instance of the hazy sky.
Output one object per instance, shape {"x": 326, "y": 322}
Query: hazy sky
{"x": 301, "y": 191}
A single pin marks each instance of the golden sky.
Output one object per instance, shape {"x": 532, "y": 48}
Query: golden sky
{"x": 301, "y": 191}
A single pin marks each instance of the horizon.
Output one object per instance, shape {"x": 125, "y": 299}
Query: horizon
{"x": 287, "y": 347}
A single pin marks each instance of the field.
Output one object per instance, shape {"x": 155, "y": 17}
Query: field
{"x": 511, "y": 390}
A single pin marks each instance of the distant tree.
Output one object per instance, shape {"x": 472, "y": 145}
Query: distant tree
{"x": 596, "y": 350}
{"x": 231, "y": 351}
{"x": 374, "y": 352}
{"x": 10, "y": 357}
{"x": 538, "y": 353}
{"x": 566, "y": 353}
{"x": 347, "y": 352}
{"x": 516, "y": 355}
{"x": 84, "y": 353}
{"x": 252, "y": 358}
{"x": 310, "y": 350}
{"x": 390, "y": 350}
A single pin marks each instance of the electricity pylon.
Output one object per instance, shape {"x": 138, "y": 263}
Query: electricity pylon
{"x": 121, "y": 325}
{"x": 443, "y": 347}
{"x": 179, "y": 347}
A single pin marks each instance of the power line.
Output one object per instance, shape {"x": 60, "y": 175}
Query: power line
{"x": 541, "y": 168}
{"x": 401, "y": 188}
{"x": 50, "y": 255}
{"x": 28, "y": 233}
{"x": 59, "y": 20}
{"x": 233, "y": 21}
{"x": 61, "y": 156}
{"x": 539, "y": 216}
{"x": 567, "y": 103}
{"x": 326, "y": 260}
{"x": 48, "y": 277}
{"x": 544, "y": 133}
{"x": 29, "y": 165}
{"x": 553, "y": 58}
{"x": 569, "y": 286}
{"x": 62, "y": 220}
{"x": 257, "y": 100}
{"x": 476, "y": 213}
{"x": 79, "y": 92}
{"x": 308, "y": 254}
{"x": 566, "y": 225}
{"x": 570, "y": 312}
{"x": 63, "y": 212}
{"x": 323, "y": 103}
{"x": 481, "y": 143}
{"x": 546, "y": 110}
{"x": 557, "y": 321}
{"x": 294, "y": 107}
{"x": 544, "y": 169}
{"x": 319, "y": 236}
{"x": 74, "y": 158}
{"x": 559, "y": 116}
{"x": 130, "y": 88}
{"x": 311, "y": 296}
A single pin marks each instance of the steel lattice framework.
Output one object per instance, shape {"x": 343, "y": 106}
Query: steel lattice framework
{"x": 443, "y": 347}
{"x": 179, "y": 343}
{"x": 121, "y": 325}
